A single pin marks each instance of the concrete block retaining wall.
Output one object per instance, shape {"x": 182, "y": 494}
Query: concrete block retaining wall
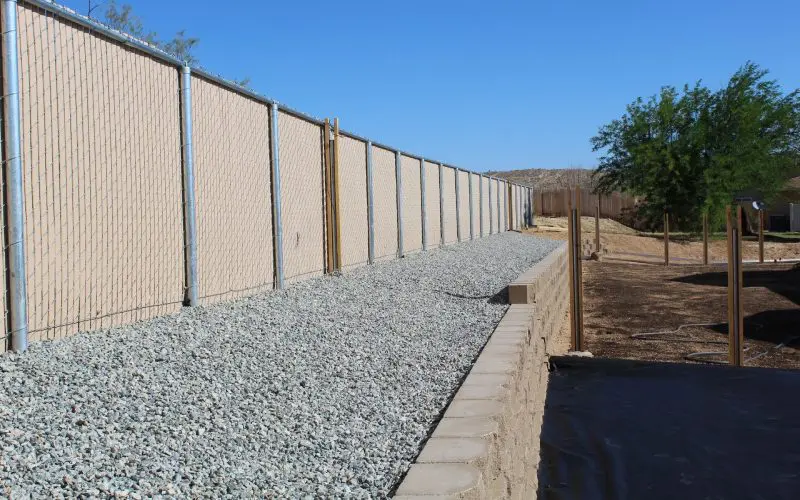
{"x": 487, "y": 444}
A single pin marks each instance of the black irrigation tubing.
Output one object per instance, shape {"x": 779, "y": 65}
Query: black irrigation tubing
{"x": 704, "y": 356}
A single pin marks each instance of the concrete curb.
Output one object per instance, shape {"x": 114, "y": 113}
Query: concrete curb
{"x": 487, "y": 444}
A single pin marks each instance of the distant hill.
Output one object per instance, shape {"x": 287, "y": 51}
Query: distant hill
{"x": 549, "y": 179}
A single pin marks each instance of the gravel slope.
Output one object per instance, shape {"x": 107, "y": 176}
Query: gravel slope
{"x": 324, "y": 389}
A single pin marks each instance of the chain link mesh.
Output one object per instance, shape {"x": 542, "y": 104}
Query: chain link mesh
{"x": 463, "y": 202}
{"x": 232, "y": 186}
{"x": 412, "y": 204}
{"x": 353, "y": 191}
{"x": 385, "y": 200}
{"x": 434, "y": 230}
{"x": 300, "y": 152}
{"x": 449, "y": 205}
{"x": 485, "y": 204}
{"x": 475, "y": 180}
{"x": 102, "y": 179}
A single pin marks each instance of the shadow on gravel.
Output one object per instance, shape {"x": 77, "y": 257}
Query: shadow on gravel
{"x": 500, "y": 297}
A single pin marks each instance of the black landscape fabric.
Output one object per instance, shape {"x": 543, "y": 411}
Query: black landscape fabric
{"x": 618, "y": 429}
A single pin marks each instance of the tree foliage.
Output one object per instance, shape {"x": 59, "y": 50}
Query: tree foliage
{"x": 691, "y": 151}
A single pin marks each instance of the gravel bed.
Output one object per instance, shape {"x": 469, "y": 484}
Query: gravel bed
{"x": 326, "y": 389}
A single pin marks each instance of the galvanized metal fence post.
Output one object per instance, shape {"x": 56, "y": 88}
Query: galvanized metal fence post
{"x": 471, "y": 208}
{"x": 441, "y": 205}
{"x": 370, "y": 207}
{"x": 398, "y": 165}
{"x": 480, "y": 202}
{"x": 423, "y": 200}
{"x": 491, "y": 212}
{"x": 277, "y": 216}
{"x": 15, "y": 207}
{"x": 189, "y": 209}
{"x": 458, "y": 206}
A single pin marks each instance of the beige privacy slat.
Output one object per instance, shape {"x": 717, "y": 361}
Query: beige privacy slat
{"x": 412, "y": 204}
{"x": 513, "y": 219}
{"x": 385, "y": 195}
{"x": 495, "y": 211}
{"x": 485, "y": 204}
{"x": 101, "y": 159}
{"x": 449, "y": 206}
{"x": 232, "y": 185}
{"x": 475, "y": 181}
{"x": 432, "y": 204}
{"x": 463, "y": 194}
{"x": 300, "y": 151}
{"x": 353, "y": 190}
{"x": 503, "y": 189}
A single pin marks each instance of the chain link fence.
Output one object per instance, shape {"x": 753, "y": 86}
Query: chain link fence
{"x": 412, "y": 204}
{"x": 385, "y": 193}
{"x": 147, "y": 185}
{"x": 353, "y": 191}
{"x": 100, "y": 146}
{"x": 232, "y": 183}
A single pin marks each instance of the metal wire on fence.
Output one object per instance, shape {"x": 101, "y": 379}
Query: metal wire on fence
{"x": 101, "y": 160}
{"x": 353, "y": 191}
{"x": 232, "y": 184}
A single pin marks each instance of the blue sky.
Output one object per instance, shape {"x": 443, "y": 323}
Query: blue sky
{"x": 489, "y": 85}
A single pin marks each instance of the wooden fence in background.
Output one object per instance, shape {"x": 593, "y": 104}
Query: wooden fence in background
{"x": 555, "y": 203}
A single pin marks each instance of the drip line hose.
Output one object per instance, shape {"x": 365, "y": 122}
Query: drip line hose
{"x": 706, "y": 356}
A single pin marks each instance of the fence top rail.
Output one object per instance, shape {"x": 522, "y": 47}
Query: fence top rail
{"x": 163, "y": 56}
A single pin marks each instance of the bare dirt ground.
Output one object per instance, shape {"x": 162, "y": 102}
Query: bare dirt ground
{"x": 619, "y": 242}
{"x": 622, "y": 299}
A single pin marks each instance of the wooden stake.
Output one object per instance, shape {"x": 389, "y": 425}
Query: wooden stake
{"x": 761, "y": 236}
{"x": 666, "y": 238}
{"x": 575, "y": 324}
{"x": 705, "y": 239}
{"x": 579, "y": 265}
{"x": 735, "y": 310}
{"x": 337, "y": 194}
{"x": 329, "y": 227}
{"x": 597, "y": 227}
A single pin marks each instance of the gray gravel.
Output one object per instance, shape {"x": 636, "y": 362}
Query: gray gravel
{"x": 326, "y": 389}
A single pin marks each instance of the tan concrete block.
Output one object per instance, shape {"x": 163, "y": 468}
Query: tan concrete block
{"x": 439, "y": 479}
{"x": 425, "y": 497}
{"x": 466, "y": 427}
{"x": 454, "y": 450}
{"x": 493, "y": 349}
{"x": 518, "y": 293}
{"x": 462, "y": 408}
{"x": 501, "y": 363}
{"x": 480, "y": 392}
{"x": 498, "y": 340}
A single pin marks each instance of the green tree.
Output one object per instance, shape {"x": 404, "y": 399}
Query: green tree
{"x": 122, "y": 18}
{"x": 691, "y": 151}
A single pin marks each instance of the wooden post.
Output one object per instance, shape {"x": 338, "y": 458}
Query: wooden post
{"x": 330, "y": 264}
{"x": 575, "y": 295}
{"x": 705, "y": 238}
{"x": 337, "y": 195}
{"x": 761, "y": 236}
{"x": 666, "y": 238}
{"x": 735, "y": 310}
{"x": 579, "y": 262}
{"x": 597, "y": 227}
